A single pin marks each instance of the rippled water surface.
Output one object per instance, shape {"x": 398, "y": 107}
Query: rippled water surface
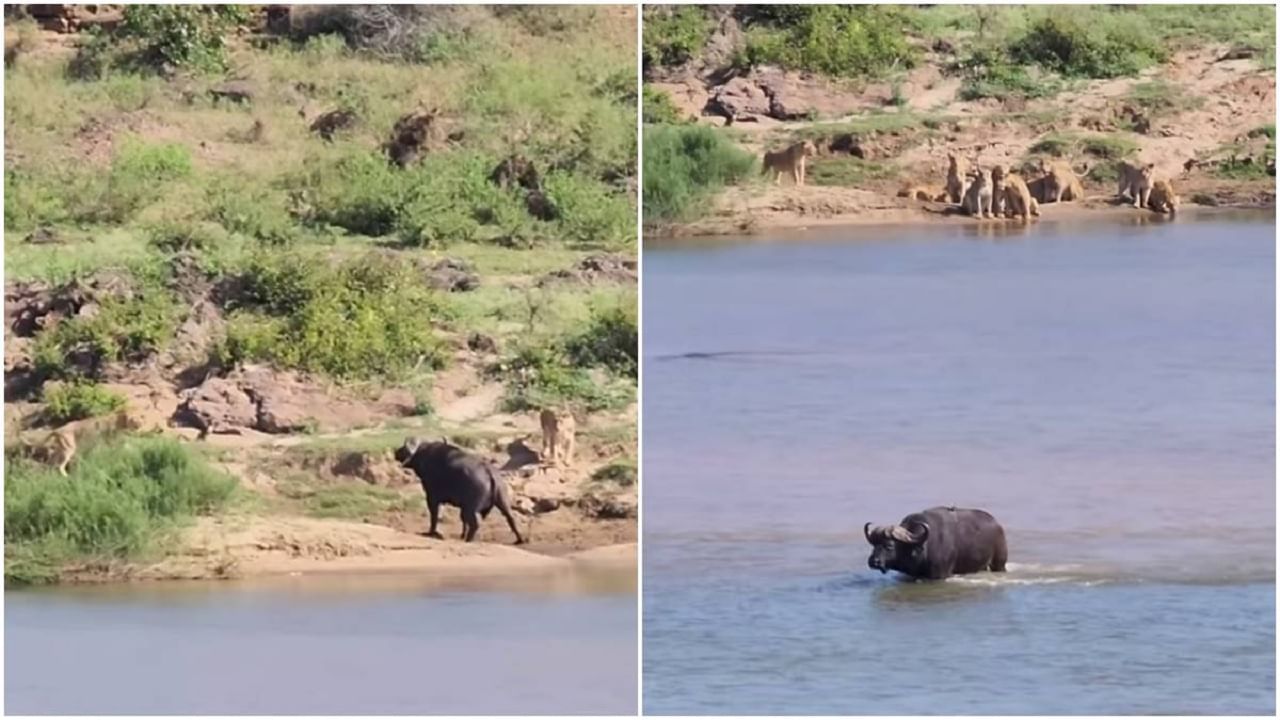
{"x": 1105, "y": 390}
{"x": 357, "y": 645}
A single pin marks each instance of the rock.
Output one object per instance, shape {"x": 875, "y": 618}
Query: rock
{"x": 278, "y": 415}
{"x": 540, "y": 206}
{"x": 545, "y": 505}
{"x": 375, "y": 469}
{"x": 452, "y": 275}
{"x": 44, "y": 236}
{"x": 737, "y": 99}
{"x": 516, "y": 170}
{"x": 604, "y": 506}
{"x": 520, "y": 455}
{"x": 237, "y": 91}
{"x": 415, "y": 133}
{"x": 330, "y": 123}
{"x": 595, "y": 269}
{"x": 218, "y": 405}
{"x": 480, "y": 343}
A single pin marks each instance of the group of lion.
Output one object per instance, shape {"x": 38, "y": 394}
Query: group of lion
{"x": 1000, "y": 191}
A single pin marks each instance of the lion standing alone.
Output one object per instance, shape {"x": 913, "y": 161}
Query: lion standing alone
{"x": 790, "y": 160}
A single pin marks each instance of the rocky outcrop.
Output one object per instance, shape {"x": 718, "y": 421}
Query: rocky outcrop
{"x": 601, "y": 268}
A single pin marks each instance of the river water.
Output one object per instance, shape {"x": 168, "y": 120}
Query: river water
{"x": 351, "y": 645}
{"x": 1106, "y": 390}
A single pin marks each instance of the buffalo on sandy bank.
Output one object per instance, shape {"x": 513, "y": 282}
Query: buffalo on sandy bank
{"x": 453, "y": 476}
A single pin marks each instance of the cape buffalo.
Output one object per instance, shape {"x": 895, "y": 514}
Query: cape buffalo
{"x": 938, "y": 543}
{"x": 453, "y": 476}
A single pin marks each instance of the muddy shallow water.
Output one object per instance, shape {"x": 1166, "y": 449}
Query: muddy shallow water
{"x": 538, "y": 643}
{"x": 1105, "y": 389}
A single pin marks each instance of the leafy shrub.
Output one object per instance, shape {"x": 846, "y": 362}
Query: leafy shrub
{"x": 843, "y": 40}
{"x": 659, "y": 108}
{"x": 1122, "y": 46}
{"x": 610, "y": 340}
{"x": 121, "y": 330}
{"x": 591, "y": 213}
{"x": 685, "y": 164}
{"x": 989, "y": 74}
{"x": 119, "y": 499}
{"x": 359, "y": 192}
{"x": 78, "y": 400}
{"x": 673, "y": 35}
{"x": 181, "y": 36}
{"x": 621, "y": 472}
{"x": 365, "y": 318}
{"x": 539, "y": 376}
{"x": 183, "y": 235}
{"x": 253, "y": 211}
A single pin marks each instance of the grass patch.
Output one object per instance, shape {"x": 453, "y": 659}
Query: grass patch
{"x": 1105, "y": 147}
{"x": 1072, "y": 46}
{"x": 1158, "y": 98}
{"x": 683, "y": 166}
{"x": 622, "y": 473}
{"x": 118, "y": 504}
{"x": 347, "y": 501}
{"x": 659, "y": 109}
{"x": 847, "y": 171}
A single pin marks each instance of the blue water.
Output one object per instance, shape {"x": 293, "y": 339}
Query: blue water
{"x": 1106, "y": 390}
{"x": 226, "y": 648}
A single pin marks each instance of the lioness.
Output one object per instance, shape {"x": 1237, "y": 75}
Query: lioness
{"x": 977, "y": 198}
{"x": 997, "y": 190}
{"x": 1162, "y": 198}
{"x": 791, "y": 160}
{"x": 558, "y": 437}
{"x": 1017, "y": 198}
{"x": 1135, "y": 182}
{"x": 1060, "y": 183}
{"x": 917, "y": 192}
{"x": 58, "y": 447}
{"x": 957, "y": 177}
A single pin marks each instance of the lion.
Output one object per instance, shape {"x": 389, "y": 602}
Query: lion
{"x": 58, "y": 447}
{"x": 1017, "y": 200}
{"x": 997, "y": 190}
{"x": 559, "y": 430}
{"x": 957, "y": 177}
{"x": 790, "y": 160}
{"x": 1162, "y": 198}
{"x": 977, "y": 198}
{"x": 919, "y": 192}
{"x": 1135, "y": 182}
{"x": 1059, "y": 183}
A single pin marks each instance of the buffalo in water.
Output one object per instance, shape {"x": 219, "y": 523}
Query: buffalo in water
{"x": 453, "y": 476}
{"x": 938, "y": 543}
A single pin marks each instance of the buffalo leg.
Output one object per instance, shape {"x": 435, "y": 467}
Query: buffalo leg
{"x": 433, "y": 511}
{"x": 511, "y": 521}
{"x": 1001, "y": 555}
{"x": 470, "y": 524}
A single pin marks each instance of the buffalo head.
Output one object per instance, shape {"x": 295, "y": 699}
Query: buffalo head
{"x": 894, "y": 547}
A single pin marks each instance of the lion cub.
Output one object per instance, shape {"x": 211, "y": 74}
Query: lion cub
{"x": 977, "y": 198}
{"x": 790, "y": 160}
{"x": 1162, "y": 198}
{"x": 59, "y": 447}
{"x": 957, "y": 177}
{"x": 558, "y": 437}
{"x": 1135, "y": 182}
{"x": 919, "y": 192}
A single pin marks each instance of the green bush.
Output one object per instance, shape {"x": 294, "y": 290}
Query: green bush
{"x": 183, "y": 235}
{"x": 989, "y": 74}
{"x": 78, "y": 400}
{"x": 842, "y": 40}
{"x": 119, "y": 500}
{"x": 121, "y": 330}
{"x": 365, "y": 318}
{"x": 539, "y": 376}
{"x": 673, "y": 35}
{"x": 359, "y": 192}
{"x": 659, "y": 108}
{"x": 181, "y": 36}
{"x": 256, "y": 212}
{"x": 683, "y": 165}
{"x": 1078, "y": 48}
{"x": 621, "y": 472}
{"x": 591, "y": 212}
{"x": 610, "y": 340}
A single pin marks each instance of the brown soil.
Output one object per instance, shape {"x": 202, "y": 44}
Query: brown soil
{"x": 1229, "y": 99}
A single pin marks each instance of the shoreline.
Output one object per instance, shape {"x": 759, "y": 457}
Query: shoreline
{"x": 755, "y": 222}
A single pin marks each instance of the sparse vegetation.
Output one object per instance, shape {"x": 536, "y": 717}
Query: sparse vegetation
{"x": 659, "y": 108}
{"x": 672, "y": 34}
{"x": 847, "y": 171}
